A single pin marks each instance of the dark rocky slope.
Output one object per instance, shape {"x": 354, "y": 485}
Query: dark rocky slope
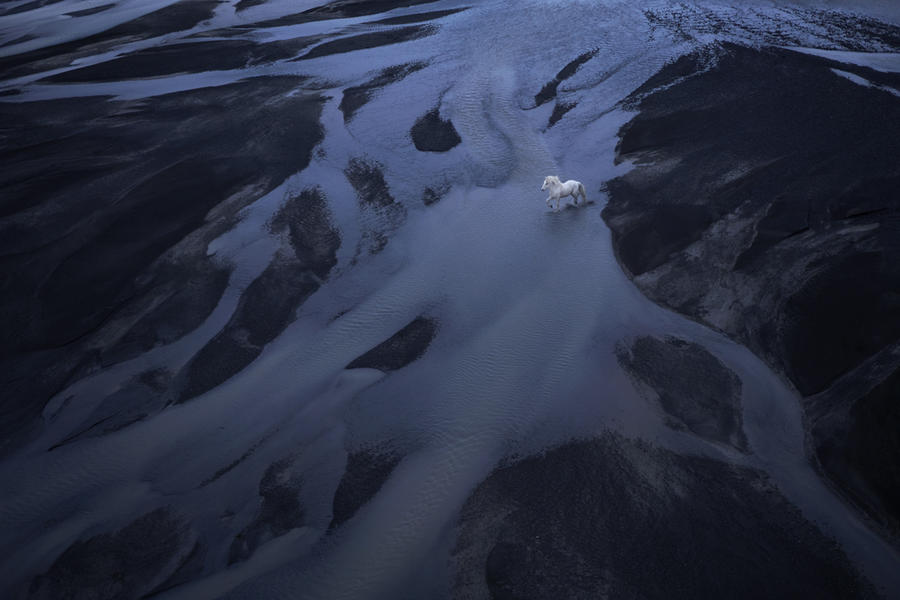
{"x": 764, "y": 203}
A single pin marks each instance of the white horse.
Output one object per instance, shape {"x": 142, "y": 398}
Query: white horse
{"x": 559, "y": 189}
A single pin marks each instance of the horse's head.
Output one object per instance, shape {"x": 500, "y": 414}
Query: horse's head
{"x": 549, "y": 179}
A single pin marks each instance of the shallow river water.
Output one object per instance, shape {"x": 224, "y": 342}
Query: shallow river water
{"x": 530, "y": 305}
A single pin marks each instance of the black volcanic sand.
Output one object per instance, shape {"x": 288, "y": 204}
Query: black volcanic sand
{"x": 90, "y": 11}
{"x": 190, "y": 289}
{"x": 268, "y": 304}
{"x": 175, "y": 17}
{"x": 431, "y": 133}
{"x": 855, "y": 424}
{"x": 115, "y": 186}
{"x": 355, "y": 97}
{"x": 34, "y": 4}
{"x": 765, "y": 203}
{"x": 367, "y": 179}
{"x": 279, "y": 510}
{"x": 842, "y": 30}
{"x": 548, "y": 92}
{"x": 136, "y": 400}
{"x": 18, "y": 40}
{"x": 433, "y": 195}
{"x": 381, "y": 213}
{"x": 199, "y": 56}
{"x": 366, "y": 472}
{"x": 245, "y": 4}
{"x": 616, "y": 518}
{"x": 418, "y": 17}
{"x": 559, "y": 111}
{"x": 692, "y": 386}
{"x": 402, "y": 348}
{"x": 365, "y": 41}
{"x": 340, "y": 9}
{"x": 134, "y": 561}
{"x": 187, "y": 57}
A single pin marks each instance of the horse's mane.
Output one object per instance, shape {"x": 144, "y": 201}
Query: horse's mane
{"x": 553, "y": 178}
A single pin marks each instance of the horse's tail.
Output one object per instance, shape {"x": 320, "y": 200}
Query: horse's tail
{"x": 581, "y": 190}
